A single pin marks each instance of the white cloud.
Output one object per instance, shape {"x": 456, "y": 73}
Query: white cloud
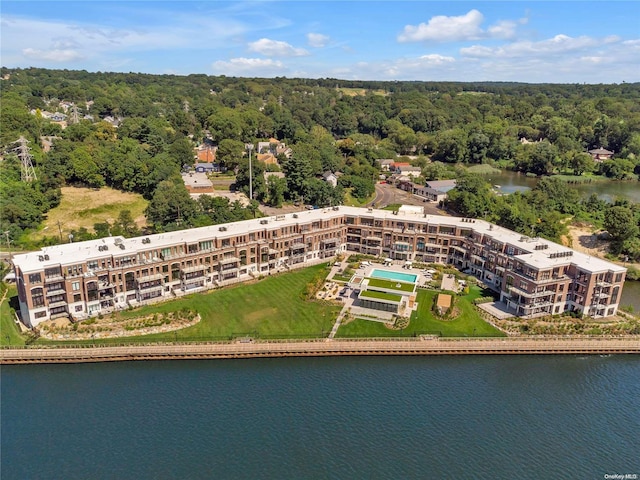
{"x": 27, "y": 39}
{"x": 442, "y": 29}
{"x": 263, "y": 67}
{"x": 54, "y": 55}
{"x": 317, "y": 40}
{"x": 503, "y": 29}
{"x": 276, "y": 48}
{"x": 461, "y": 28}
{"x": 435, "y": 59}
{"x": 560, "y": 44}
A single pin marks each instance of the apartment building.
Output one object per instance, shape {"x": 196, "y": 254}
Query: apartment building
{"x": 533, "y": 276}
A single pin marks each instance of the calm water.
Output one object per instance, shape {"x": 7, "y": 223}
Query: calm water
{"x": 351, "y": 418}
{"x": 607, "y": 190}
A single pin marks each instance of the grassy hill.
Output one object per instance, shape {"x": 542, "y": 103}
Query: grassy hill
{"x": 83, "y": 207}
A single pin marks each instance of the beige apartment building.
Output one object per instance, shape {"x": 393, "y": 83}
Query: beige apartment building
{"x": 533, "y": 276}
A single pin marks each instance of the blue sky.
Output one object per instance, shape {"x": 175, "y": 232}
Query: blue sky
{"x": 558, "y": 42}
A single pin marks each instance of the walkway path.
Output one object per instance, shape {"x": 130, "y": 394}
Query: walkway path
{"x": 320, "y": 347}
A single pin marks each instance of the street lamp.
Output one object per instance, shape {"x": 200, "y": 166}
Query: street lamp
{"x": 250, "y": 147}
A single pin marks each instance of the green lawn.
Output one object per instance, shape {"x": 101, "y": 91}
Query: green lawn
{"x": 9, "y": 333}
{"x": 272, "y": 307}
{"x": 469, "y": 323}
{"x": 341, "y": 278}
{"x": 381, "y": 295}
{"x": 391, "y": 285}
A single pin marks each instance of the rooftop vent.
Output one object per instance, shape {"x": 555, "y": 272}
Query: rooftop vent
{"x": 41, "y": 258}
{"x": 146, "y": 240}
{"x": 264, "y": 222}
{"x": 121, "y": 245}
{"x": 223, "y": 229}
{"x": 46, "y": 257}
{"x": 295, "y": 215}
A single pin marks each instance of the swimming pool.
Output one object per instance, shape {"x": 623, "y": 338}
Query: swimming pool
{"x": 389, "y": 275}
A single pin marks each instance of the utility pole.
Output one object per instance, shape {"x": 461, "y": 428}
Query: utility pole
{"x": 6, "y": 235}
{"x": 250, "y": 147}
{"x": 60, "y": 230}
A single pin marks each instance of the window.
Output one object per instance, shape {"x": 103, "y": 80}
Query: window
{"x": 37, "y": 297}
{"x": 75, "y": 286}
{"x": 77, "y": 297}
{"x": 35, "y": 278}
{"x": 78, "y": 308}
{"x": 206, "y": 245}
{"x": 40, "y": 314}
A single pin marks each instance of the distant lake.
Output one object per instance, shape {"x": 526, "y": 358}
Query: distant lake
{"x": 607, "y": 190}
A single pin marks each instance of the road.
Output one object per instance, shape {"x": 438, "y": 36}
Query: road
{"x": 389, "y": 194}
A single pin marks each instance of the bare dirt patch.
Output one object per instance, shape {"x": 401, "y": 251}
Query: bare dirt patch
{"x": 584, "y": 239}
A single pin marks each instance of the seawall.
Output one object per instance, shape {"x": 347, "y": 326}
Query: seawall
{"x": 427, "y": 346}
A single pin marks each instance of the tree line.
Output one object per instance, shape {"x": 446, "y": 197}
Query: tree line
{"x": 331, "y": 125}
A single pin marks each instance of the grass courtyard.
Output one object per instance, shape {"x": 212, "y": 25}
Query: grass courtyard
{"x": 468, "y": 323}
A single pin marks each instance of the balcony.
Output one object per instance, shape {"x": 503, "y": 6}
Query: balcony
{"x": 193, "y": 269}
{"x": 60, "y": 303}
{"x": 57, "y": 291}
{"x": 227, "y": 260}
{"x": 150, "y": 278}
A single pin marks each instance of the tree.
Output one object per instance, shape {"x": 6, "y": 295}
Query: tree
{"x": 276, "y": 190}
{"x": 229, "y": 153}
{"x": 477, "y": 146}
{"x": 297, "y": 171}
{"x": 621, "y": 223}
{"x": 581, "y": 162}
{"x": 171, "y": 207}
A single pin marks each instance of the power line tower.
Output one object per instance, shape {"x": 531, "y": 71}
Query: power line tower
{"x": 74, "y": 118}
{"x": 27, "y": 172}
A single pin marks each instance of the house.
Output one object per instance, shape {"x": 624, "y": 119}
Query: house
{"x": 330, "y": 178}
{"x": 206, "y": 153}
{"x": 395, "y": 166}
{"x": 600, "y": 154}
{"x": 267, "y": 158}
{"x": 268, "y": 147}
{"x": 385, "y": 164}
{"x": 58, "y": 117}
{"x": 204, "y": 167}
{"x": 409, "y": 171}
{"x": 113, "y": 121}
{"x": 441, "y": 185}
{"x": 197, "y": 182}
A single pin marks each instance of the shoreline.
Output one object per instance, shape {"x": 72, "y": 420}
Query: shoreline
{"x": 324, "y": 347}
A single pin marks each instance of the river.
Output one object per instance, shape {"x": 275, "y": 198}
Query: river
{"x": 608, "y": 190}
{"x": 484, "y": 417}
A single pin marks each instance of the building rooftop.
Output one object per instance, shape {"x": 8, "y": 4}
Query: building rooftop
{"x": 548, "y": 254}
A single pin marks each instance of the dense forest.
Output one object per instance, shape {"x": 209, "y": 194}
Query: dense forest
{"x": 330, "y": 125}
